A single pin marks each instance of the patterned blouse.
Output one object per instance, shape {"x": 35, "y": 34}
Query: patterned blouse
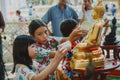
{"x": 44, "y": 50}
{"x": 24, "y": 73}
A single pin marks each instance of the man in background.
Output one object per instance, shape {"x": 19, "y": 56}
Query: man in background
{"x": 58, "y": 13}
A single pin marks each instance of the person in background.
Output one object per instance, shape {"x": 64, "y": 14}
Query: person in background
{"x": 30, "y": 11}
{"x": 20, "y": 18}
{"x": 25, "y": 67}
{"x": 86, "y": 15}
{"x": 86, "y": 12}
{"x": 2, "y": 68}
{"x": 113, "y": 9}
{"x": 58, "y": 13}
{"x": 106, "y": 7}
{"x": 21, "y": 27}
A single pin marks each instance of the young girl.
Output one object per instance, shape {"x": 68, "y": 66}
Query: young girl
{"x": 24, "y": 52}
{"x": 47, "y": 45}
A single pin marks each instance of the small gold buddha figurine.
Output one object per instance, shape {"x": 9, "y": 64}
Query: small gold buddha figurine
{"x": 89, "y": 46}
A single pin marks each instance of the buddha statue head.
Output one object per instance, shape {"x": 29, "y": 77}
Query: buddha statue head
{"x": 98, "y": 11}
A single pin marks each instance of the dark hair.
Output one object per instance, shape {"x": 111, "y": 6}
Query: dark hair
{"x": 20, "y": 50}
{"x": 113, "y": 5}
{"x": 35, "y": 24}
{"x": 18, "y": 12}
{"x": 90, "y": 1}
{"x": 67, "y": 26}
{"x": 106, "y": 7}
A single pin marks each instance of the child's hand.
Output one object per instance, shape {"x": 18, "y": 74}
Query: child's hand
{"x": 66, "y": 45}
{"x": 61, "y": 52}
{"x": 76, "y": 34}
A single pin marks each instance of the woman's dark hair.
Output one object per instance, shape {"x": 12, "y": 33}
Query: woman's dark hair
{"x": 67, "y": 26}
{"x": 20, "y": 50}
{"x": 35, "y": 24}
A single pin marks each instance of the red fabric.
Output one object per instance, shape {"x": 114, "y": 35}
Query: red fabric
{"x": 73, "y": 44}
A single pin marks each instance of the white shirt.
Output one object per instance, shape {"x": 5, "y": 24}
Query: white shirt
{"x": 88, "y": 15}
{"x": 88, "y": 19}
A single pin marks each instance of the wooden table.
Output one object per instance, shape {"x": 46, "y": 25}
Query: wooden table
{"x": 115, "y": 48}
{"x": 102, "y": 72}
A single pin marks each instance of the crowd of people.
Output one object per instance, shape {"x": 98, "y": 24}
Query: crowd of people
{"x": 37, "y": 55}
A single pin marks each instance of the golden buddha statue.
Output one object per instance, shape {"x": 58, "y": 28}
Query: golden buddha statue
{"x": 89, "y": 46}
{"x": 94, "y": 36}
